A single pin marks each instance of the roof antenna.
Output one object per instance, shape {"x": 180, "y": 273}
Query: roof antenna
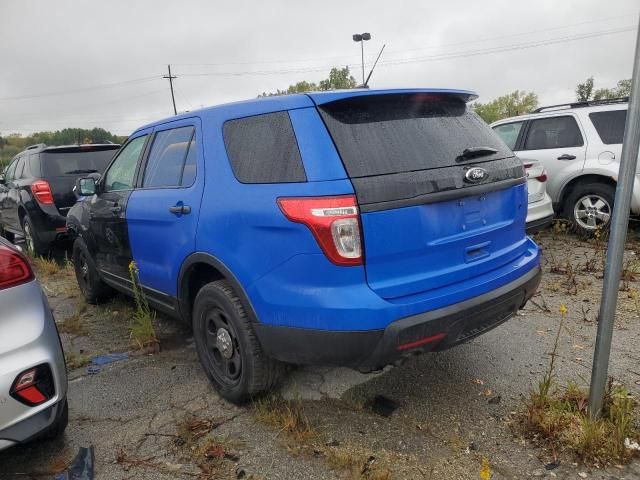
{"x": 366, "y": 83}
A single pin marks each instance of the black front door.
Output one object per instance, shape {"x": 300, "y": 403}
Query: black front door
{"x": 107, "y": 210}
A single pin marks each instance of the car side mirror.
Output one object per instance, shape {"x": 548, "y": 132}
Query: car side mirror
{"x": 86, "y": 186}
{"x": 2, "y": 181}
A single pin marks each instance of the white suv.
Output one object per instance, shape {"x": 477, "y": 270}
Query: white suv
{"x": 579, "y": 145}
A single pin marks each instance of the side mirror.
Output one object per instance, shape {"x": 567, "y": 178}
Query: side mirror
{"x": 86, "y": 186}
{"x": 2, "y": 181}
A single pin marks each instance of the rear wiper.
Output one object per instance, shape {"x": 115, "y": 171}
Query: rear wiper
{"x": 88, "y": 170}
{"x": 474, "y": 152}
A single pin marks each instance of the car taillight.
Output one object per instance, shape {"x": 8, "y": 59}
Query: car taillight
{"x": 542, "y": 177}
{"x": 14, "y": 268}
{"x": 42, "y": 191}
{"x": 34, "y": 386}
{"x": 334, "y": 222}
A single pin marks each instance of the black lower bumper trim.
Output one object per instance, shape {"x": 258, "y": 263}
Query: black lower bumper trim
{"x": 373, "y": 349}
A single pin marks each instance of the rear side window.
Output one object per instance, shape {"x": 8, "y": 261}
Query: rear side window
{"x": 263, "y": 149}
{"x": 553, "y": 132}
{"x": 509, "y": 133}
{"x": 20, "y": 168}
{"x": 167, "y": 159}
{"x": 609, "y": 125}
{"x": 383, "y": 134}
{"x": 61, "y": 162}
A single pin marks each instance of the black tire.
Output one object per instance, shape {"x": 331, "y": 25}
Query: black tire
{"x": 228, "y": 348}
{"x": 60, "y": 425}
{"x": 91, "y": 285}
{"x": 589, "y": 206}
{"x": 32, "y": 240}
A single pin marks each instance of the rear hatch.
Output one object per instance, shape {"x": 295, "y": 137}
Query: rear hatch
{"x": 61, "y": 166}
{"x": 432, "y": 215}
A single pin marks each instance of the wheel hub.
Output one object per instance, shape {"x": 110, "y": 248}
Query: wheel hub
{"x": 224, "y": 343}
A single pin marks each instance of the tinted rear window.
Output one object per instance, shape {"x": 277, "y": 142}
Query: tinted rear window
{"x": 75, "y": 162}
{"x": 263, "y": 149}
{"x": 609, "y": 125}
{"x": 383, "y": 134}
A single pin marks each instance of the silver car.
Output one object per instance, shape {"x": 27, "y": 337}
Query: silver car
{"x": 33, "y": 379}
{"x": 579, "y": 145}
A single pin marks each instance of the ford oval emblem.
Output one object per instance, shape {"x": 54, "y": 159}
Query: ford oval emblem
{"x": 476, "y": 175}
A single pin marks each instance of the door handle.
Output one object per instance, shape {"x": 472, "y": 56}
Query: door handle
{"x": 116, "y": 209}
{"x": 567, "y": 157}
{"x": 180, "y": 209}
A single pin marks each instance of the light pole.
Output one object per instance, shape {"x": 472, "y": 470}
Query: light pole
{"x": 362, "y": 37}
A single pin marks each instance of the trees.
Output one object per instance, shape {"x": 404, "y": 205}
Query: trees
{"x": 515, "y": 103}
{"x": 585, "y": 91}
{"x": 339, "y": 78}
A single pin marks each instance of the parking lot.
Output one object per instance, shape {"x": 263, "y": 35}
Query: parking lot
{"x": 154, "y": 415}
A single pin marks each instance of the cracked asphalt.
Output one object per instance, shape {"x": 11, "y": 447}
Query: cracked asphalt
{"x": 454, "y": 408}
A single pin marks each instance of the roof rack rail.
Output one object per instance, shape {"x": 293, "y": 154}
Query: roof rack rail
{"x": 37, "y": 145}
{"x": 588, "y": 103}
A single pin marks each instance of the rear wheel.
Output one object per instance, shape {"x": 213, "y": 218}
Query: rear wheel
{"x": 227, "y": 346}
{"x": 31, "y": 239}
{"x": 590, "y": 206}
{"x": 91, "y": 285}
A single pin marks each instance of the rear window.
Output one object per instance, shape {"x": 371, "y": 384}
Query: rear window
{"x": 383, "y": 134}
{"x": 263, "y": 149}
{"x": 609, "y": 125}
{"x": 56, "y": 163}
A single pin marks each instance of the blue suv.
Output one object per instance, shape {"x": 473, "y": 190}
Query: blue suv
{"x": 351, "y": 228}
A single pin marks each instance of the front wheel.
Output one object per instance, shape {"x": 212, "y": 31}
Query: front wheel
{"x": 227, "y": 346}
{"x": 91, "y": 285}
{"x": 590, "y": 206}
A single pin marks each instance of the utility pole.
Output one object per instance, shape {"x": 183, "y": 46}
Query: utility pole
{"x": 173, "y": 98}
{"x": 615, "y": 251}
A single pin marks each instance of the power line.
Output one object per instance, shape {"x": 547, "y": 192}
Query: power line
{"x": 475, "y": 41}
{"x": 443, "y": 56}
{"x": 84, "y": 89}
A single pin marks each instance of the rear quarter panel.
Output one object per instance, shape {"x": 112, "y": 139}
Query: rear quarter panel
{"x": 241, "y": 224}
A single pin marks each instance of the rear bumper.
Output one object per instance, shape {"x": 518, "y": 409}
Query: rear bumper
{"x": 539, "y": 224}
{"x": 32, "y": 427}
{"x": 28, "y": 338}
{"x": 429, "y": 331}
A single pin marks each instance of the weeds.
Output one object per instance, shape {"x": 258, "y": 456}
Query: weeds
{"x": 73, "y": 325}
{"x": 46, "y": 265}
{"x": 143, "y": 334}
{"x": 286, "y": 416}
{"x": 75, "y": 360}
{"x": 630, "y": 272}
{"x": 561, "y": 419}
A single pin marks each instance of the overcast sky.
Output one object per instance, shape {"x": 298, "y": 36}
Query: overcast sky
{"x": 66, "y": 63}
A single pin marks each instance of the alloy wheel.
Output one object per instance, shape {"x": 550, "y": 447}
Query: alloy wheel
{"x": 592, "y": 211}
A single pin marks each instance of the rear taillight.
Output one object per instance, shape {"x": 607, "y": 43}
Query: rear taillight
{"x": 334, "y": 222}
{"x": 34, "y": 386}
{"x": 542, "y": 177}
{"x": 14, "y": 268}
{"x": 42, "y": 191}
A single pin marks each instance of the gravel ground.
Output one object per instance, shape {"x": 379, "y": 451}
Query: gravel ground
{"x": 155, "y": 416}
